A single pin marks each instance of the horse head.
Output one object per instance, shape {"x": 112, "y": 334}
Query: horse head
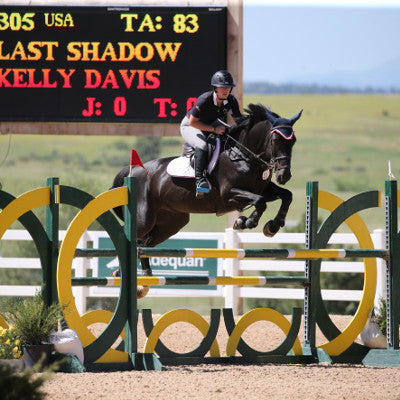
{"x": 282, "y": 140}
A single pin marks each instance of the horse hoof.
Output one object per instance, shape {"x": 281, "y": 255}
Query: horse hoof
{"x": 269, "y": 230}
{"x": 142, "y": 291}
{"x": 268, "y": 233}
{"x": 240, "y": 223}
{"x": 116, "y": 273}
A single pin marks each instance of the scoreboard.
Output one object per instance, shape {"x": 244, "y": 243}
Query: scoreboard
{"x": 107, "y": 64}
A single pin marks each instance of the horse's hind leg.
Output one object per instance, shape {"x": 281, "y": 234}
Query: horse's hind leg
{"x": 273, "y": 226}
{"x": 167, "y": 225}
{"x": 146, "y": 271}
{"x": 141, "y": 291}
{"x": 144, "y": 262}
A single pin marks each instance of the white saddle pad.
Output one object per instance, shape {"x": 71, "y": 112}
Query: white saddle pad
{"x": 180, "y": 166}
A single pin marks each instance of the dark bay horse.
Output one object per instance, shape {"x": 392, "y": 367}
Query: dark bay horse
{"x": 259, "y": 145}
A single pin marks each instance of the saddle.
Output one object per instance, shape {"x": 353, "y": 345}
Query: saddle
{"x": 183, "y": 166}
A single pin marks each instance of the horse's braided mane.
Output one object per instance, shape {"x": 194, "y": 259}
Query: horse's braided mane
{"x": 254, "y": 113}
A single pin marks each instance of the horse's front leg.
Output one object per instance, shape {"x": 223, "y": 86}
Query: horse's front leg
{"x": 275, "y": 192}
{"x": 167, "y": 224}
{"x": 241, "y": 199}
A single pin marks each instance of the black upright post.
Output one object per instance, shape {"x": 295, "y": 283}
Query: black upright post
{"x": 140, "y": 361}
{"x": 309, "y": 296}
{"x": 131, "y": 269}
{"x": 390, "y": 357}
{"x": 49, "y": 271}
{"x": 393, "y": 266}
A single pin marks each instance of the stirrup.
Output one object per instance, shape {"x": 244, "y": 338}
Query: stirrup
{"x": 202, "y": 186}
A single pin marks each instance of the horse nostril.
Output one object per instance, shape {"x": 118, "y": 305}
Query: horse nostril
{"x": 283, "y": 176}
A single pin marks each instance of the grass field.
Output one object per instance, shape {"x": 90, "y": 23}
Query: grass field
{"x": 343, "y": 141}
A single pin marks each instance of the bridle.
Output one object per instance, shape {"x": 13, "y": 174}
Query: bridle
{"x": 274, "y": 163}
{"x": 277, "y": 160}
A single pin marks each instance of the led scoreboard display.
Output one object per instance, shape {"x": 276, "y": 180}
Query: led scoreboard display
{"x": 107, "y": 64}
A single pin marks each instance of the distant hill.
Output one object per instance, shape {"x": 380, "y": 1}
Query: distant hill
{"x": 315, "y": 88}
{"x": 384, "y": 78}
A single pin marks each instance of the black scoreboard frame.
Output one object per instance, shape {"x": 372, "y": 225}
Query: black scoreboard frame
{"x": 107, "y": 69}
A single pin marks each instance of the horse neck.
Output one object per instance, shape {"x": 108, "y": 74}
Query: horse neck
{"x": 257, "y": 139}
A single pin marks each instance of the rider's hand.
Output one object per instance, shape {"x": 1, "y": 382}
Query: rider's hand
{"x": 220, "y": 130}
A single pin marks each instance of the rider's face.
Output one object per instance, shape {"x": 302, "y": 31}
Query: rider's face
{"x": 222, "y": 92}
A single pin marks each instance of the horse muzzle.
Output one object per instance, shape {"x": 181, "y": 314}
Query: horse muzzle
{"x": 283, "y": 175}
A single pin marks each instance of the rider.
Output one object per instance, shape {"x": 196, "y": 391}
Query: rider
{"x": 209, "y": 115}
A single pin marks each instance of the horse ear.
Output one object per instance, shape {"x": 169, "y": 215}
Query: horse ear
{"x": 295, "y": 118}
{"x": 270, "y": 117}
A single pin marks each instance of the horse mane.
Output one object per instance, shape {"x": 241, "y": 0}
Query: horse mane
{"x": 254, "y": 113}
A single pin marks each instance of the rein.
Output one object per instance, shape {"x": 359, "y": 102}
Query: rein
{"x": 271, "y": 165}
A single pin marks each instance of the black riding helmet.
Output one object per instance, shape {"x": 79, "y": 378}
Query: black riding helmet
{"x": 222, "y": 79}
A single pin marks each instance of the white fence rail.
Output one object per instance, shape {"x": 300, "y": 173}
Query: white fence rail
{"x": 229, "y": 267}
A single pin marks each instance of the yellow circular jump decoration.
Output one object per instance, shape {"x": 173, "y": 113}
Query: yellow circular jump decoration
{"x": 95, "y": 208}
{"x": 330, "y": 202}
{"x": 179, "y": 315}
{"x": 260, "y": 314}
{"x": 21, "y": 205}
{"x": 102, "y": 316}
{"x": 99, "y": 316}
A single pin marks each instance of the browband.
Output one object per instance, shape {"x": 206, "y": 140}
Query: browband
{"x": 276, "y": 129}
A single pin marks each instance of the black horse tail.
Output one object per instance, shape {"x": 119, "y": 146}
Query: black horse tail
{"x": 118, "y": 182}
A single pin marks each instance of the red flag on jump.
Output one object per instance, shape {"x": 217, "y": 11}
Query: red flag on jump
{"x": 136, "y": 162}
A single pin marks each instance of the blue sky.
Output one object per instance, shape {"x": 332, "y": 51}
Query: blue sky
{"x": 301, "y": 40}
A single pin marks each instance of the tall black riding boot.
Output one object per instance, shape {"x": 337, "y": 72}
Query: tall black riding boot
{"x": 200, "y": 164}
